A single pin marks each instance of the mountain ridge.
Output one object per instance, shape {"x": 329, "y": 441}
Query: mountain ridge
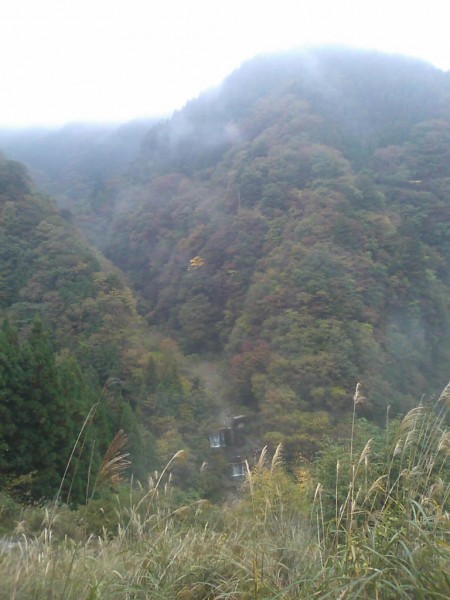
{"x": 294, "y": 221}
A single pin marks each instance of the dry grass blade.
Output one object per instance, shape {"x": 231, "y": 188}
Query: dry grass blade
{"x": 276, "y": 459}
{"x": 445, "y": 395}
{"x": 249, "y": 480}
{"x": 366, "y": 451}
{"x": 398, "y": 447}
{"x": 409, "y": 421}
{"x": 377, "y": 486}
{"x": 318, "y": 491}
{"x": 358, "y": 397}
{"x": 115, "y": 461}
{"x": 262, "y": 459}
{"x": 407, "y": 432}
{"x": 444, "y": 442}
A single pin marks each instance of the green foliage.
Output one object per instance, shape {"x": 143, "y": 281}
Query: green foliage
{"x": 380, "y": 510}
{"x": 9, "y": 513}
{"x": 71, "y": 372}
{"x": 320, "y": 224}
{"x": 384, "y": 536}
{"x": 294, "y": 223}
{"x": 43, "y": 405}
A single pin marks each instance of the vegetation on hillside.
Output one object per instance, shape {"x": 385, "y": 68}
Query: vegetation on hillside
{"x": 294, "y": 221}
{"x": 290, "y": 232}
{"x": 73, "y": 347}
{"x": 370, "y": 520}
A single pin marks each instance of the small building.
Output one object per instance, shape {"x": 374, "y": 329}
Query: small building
{"x": 221, "y": 438}
{"x": 238, "y": 468}
{"x": 239, "y": 426}
{"x": 239, "y": 423}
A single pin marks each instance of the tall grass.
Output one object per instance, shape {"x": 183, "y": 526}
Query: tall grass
{"x": 377, "y": 529}
{"x": 389, "y": 537}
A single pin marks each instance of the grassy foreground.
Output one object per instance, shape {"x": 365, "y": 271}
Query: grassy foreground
{"x": 367, "y": 522}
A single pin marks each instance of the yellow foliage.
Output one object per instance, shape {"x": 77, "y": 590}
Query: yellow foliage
{"x": 196, "y": 263}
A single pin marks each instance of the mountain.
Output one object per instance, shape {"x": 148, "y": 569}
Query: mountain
{"x": 77, "y": 163}
{"x": 294, "y": 224}
{"x": 295, "y": 221}
{"x": 77, "y": 362}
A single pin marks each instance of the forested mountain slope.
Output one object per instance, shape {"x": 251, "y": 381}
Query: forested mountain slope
{"x": 279, "y": 241}
{"x": 296, "y": 221}
{"x": 78, "y": 163}
{"x": 75, "y": 356}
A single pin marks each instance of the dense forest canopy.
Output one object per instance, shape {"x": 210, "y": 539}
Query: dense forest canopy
{"x": 314, "y": 189}
{"x": 291, "y": 226}
{"x": 76, "y": 359}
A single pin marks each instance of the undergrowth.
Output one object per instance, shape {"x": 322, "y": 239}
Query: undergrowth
{"x": 368, "y": 521}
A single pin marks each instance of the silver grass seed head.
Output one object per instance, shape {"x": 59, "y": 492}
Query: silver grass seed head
{"x": 444, "y": 442}
{"x": 366, "y": 451}
{"x": 318, "y": 491}
{"x": 445, "y": 394}
{"x": 358, "y": 397}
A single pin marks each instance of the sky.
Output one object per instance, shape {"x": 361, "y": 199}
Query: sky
{"x": 116, "y": 60}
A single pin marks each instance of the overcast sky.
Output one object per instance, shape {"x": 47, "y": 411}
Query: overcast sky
{"x": 115, "y": 60}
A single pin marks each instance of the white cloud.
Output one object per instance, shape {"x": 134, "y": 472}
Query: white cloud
{"x": 112, "y": 60}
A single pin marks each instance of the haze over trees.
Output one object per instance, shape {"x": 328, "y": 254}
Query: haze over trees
{"x": 284, "y": 236}
{"x": 72, "y": 347}
{"x": 215, "y": 331}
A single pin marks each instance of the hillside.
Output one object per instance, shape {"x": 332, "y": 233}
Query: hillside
{"x": 78, "y": 163}
{"x": 294, "y": 223}
{"x": 76, "y": 359}
{"x": 295, "y": 220}
{"x": 223, "y": 340}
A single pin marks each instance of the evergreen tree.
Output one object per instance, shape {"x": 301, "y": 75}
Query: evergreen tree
{"x": 42, "y": 407}
{"x": 11, "y": 404}
{"x": 44, "y": 425}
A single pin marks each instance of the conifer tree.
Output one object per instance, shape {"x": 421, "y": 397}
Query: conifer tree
{"x": 42, "y": 406}
{"x": 44, "y": 425}
{"x": 11, "y": 405}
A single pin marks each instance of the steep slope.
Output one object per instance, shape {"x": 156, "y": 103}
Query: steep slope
{"x": 294, "y": 221}
{"x": 74, "y": 348}
{"x": 297, "y": 220}
{"x": 78, "y": 163}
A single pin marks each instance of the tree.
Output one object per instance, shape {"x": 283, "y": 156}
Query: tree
{"x": 11, "y": 403}
{"x": 42, "y": 407}
{"x": 44, "y": 421}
